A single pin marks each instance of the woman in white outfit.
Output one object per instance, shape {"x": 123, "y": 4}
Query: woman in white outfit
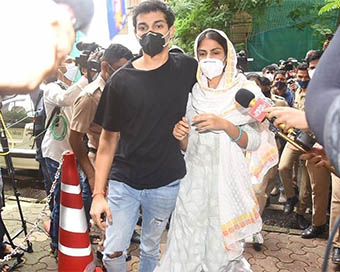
{"x": 216, "y": 207}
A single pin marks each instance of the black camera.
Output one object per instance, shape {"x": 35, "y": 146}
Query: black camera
{"x": 287, "y": 65}
{"x": 242, "y": 61}
{"x": 306, "y": 140}
{"x": 85, "y": 60}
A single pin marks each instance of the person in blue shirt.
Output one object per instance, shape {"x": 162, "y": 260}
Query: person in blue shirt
{"x": 287, "y": 94}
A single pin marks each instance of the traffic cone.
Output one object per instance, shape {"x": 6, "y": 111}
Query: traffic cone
{"x": 74, "y": 248}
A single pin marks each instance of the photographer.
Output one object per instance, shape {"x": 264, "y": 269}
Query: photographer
{"x": 58, "y": 99}
{"x": 85, "y": 107}
{"x": 289, "y": 67}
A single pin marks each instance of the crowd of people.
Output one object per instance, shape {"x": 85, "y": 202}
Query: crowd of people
{"x": 315, "y": 181}
{"x": 159, "y": 137}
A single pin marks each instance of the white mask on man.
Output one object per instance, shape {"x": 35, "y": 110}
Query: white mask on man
{"x": 71, "y": 71}
{"x": 211, "y": 67}
{"x": 270, "y": 77}
{"x": 311, "y": 73}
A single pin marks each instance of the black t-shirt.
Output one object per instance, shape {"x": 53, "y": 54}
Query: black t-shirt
{"x": 144, "y": 107}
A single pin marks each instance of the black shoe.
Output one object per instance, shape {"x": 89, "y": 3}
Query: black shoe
{"x": 313, "y": 231}
{"x": 301, "y": 222}
{"x": 336, "y": 255}
{"x": 257, "y": 246}
{"x": 289, "y": 205}
{"x": 99, "y": 255}
{"x": 135, "y": 237}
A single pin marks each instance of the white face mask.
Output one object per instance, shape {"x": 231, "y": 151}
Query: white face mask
{"x": 270, "y": 77}
{"x": 211, "y": 67}
{"x": 311, "y": 73}
{"x": 71, "y": 71}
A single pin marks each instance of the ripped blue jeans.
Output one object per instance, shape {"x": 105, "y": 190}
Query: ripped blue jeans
{"x": 125, "y": 202}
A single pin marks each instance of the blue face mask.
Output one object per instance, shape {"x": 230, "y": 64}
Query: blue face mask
{"x": 303, "y": 84}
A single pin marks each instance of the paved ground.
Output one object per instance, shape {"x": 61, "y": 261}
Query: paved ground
{"x": 283, "y": 249}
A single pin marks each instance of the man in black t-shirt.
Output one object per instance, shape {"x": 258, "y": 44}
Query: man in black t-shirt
{"x": 138, "y": 110}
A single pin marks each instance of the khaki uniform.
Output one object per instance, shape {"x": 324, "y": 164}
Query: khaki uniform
{"x": 84, "y": 110}
{"x": 263, "y": 189}
{"x": 335, "y": 208}
{"x": 313, "y": 179}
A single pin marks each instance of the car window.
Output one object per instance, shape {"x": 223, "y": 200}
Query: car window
{"x": 18, "y": 113}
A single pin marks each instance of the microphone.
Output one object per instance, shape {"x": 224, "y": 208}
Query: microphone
{"x": 246, "y": 99}
{"x": 302, "y": 141}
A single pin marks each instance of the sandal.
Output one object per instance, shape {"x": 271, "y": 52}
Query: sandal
{"x": 8, "y": 250}
{"x": 5, "y": 268}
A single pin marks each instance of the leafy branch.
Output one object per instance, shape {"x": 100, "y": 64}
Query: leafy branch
{"x": 329, "y": 6}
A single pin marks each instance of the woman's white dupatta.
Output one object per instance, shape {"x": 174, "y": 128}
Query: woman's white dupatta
{"x": 233, "y": 172}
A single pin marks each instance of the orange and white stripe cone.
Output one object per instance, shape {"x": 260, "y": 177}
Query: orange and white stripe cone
{"x": 74, "y": 248}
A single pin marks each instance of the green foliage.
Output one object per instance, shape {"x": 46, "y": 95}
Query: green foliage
{"x": 193, "y": 16}
{"x": 330, "y": 6}
{"x": 305, "y": 15}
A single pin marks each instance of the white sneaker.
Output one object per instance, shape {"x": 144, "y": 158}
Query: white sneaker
{"x": 282, "y": 198}
{"x": 256, "y": 238}
{"x": 275, "y": 191}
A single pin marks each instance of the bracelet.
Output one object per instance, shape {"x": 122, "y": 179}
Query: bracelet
{"x": 98, "y": 193}
{"x": 240, "y": 131}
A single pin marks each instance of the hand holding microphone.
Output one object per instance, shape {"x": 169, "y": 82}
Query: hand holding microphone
{"x": 297, "y": 138}
{"x": 288, "y": 116}
{"x": 259, "y": 108}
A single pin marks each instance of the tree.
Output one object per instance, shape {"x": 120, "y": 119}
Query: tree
{"x": 321, "y": 18}
{"x": 330, "y": 6}
{"x": 193, "y": 16}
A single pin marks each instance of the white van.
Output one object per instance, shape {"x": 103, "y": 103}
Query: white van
{"x": 18, "y": 113}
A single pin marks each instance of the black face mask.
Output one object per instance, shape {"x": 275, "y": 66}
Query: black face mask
{"x": 280, "y": 86}
{"x": 267, "y": 94}
{"x": 152, "y": 42}
{"x": 303, "y": 84}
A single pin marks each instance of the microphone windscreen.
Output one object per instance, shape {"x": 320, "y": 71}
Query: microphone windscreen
{"x": 243, "y": 97}
{"x": 83, "y": 12}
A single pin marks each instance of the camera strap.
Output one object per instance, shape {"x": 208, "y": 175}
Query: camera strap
{"x": 55, "y": 111}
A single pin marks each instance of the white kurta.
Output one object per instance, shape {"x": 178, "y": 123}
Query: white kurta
{"x": 216, "y": 207}
{"x": 195, "y": 240}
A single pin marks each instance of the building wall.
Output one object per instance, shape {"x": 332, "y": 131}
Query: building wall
{"x": 99, "y": 33}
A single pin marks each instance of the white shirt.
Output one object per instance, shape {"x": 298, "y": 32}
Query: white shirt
{"x": 54, "y": 96}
